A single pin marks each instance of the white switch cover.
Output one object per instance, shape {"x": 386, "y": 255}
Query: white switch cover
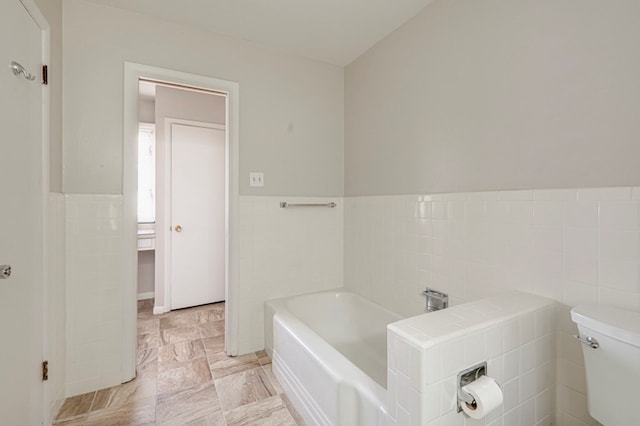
{"x": 256, "y": 179}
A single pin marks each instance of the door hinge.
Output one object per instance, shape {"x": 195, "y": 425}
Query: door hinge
{"x": 45, "y": 371}
{"x": 45, "y": 74}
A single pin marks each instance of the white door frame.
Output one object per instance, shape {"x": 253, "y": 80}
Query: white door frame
{"x": 163, "y": 214}
{"x": 132, "y": 73}
{"x": 51, "y": 399}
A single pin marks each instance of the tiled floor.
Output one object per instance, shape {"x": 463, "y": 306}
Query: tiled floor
{"x": 185, "y": 378}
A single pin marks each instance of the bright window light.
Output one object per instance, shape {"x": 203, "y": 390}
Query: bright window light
{"x": 146, "y": 173}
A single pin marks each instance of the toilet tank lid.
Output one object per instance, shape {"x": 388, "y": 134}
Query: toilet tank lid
{"x": 617, "y": 323}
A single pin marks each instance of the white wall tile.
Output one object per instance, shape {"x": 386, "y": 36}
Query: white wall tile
{"x": 619, "y": 216}
{"x": 580, "y": 242}
{"x": 572, "y": 245}
{"x": 619, "y": 274}
{"x": 580, "y": 214}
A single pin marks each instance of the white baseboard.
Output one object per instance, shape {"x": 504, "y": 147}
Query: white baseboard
{"x": 145, "y": 296}
{"x": 157, "y": 310}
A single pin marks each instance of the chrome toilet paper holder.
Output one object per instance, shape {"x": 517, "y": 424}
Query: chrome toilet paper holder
{"x": 465, "y": 377}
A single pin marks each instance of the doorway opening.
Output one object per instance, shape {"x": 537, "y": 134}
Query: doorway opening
{"x": 183, "y": 250}
{"x": 181, "y": 195}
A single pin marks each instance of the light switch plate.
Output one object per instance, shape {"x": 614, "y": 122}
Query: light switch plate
{"x": 256, "y": 179}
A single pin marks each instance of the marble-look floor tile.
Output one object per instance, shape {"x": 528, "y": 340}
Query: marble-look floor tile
{"x": 263, "y": 358}
{"x": 243, "y": 388}
{"x": 148, "y": 341}
{"x": 76, "y": 406}
{"x": 216, "y": 419}
{"x": 267, "y": 412}
{"x": 187, "y": 405}
{"x": 146, "y": 359}
{"x": 171, "y": 356}
{"x": 180, "y": 334}
{"x": 187, "y": 357}
{"x": 139, "y": 412}
{"x": 214, "y": 345}
{"x": 269, "y": 372}
{"x": 216, "y": 313}
{"x": 145, "y": 305}
{"x": 212, "y": 328}
{"x": 148, "y": 326}
{"x": 223, "y": 365}
{"x": 125, "y": 393}
{"x": 183, "y": 376}
{"x": 78, "y": 421}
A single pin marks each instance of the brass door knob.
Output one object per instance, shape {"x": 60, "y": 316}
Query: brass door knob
{"x": 178, "y": 228}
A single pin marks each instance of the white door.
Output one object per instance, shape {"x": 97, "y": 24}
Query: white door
{"x": 197, "y": 215}
{"x": 21, "y": 211}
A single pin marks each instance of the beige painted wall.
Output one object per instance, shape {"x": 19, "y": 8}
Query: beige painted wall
{"x": 291, "y": 109}
{"x": 497, "y": 95}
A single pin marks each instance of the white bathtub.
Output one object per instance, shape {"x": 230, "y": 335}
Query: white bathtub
{"x": 329, "y": 352}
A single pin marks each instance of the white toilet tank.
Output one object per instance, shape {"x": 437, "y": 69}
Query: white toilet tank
{"x": 613, "y": 368}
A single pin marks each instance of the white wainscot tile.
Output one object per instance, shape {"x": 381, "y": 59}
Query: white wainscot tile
{"x": 511, "y": 417}
{"x": 432, "y": 402}
{"x": 392, "y": 393}
{"x": 547, "y": 213}
{"x": 452, "y": 357}
{"x": 439, "y": 210}
{"x": 511, "y": 392}
{"x": 511, "y": 335}
{"x": 404, "y": 391}
{"x": 453, "y": 419}
{"x": 544, "y": 405}
{"x": 527, "y": 357}
{"x": 575, "y": 293}
{"x": 580, "y": 242}
{"x": 545, "y": 376}
{"x": 434, "y": 364}
{"x": 521, "y": 212}
{"x": 581, "y": 269}
{"x": 449, "y": 391}
{"x": 528, "y": 412}
{"x": 474, "y": 348}
{"x": 572, "y": 375}
{"x": 619, "y": 216}
{"x": 543, "y": 322}
{"x": 497, "y": 211}
{"x": 619, "y": 299}
{"x": 580, "y": 214}
{"x": 619, "y": 274}
{"x": 527, "y": 328}
{"x": 403, "y": 356}
{"x": 619, "y": 245}
{"x": 495, "y": 369}
{"x": 511, "y": 365}
{"x": 493, "y": 341}
{"x": 547, "y": 238}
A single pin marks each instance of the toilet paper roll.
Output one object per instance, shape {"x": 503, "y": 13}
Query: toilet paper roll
{"x": 487, "y": 394}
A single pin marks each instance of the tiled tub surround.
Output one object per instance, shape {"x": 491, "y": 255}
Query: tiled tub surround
{"x": 572, "y": 245}
{"x": 512, "y": 332}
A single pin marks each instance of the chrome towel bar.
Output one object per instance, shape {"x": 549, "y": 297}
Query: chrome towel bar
{"x": 286, "y": 205}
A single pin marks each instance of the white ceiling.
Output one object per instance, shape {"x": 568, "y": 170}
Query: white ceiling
{"x": 333, "y": 31}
